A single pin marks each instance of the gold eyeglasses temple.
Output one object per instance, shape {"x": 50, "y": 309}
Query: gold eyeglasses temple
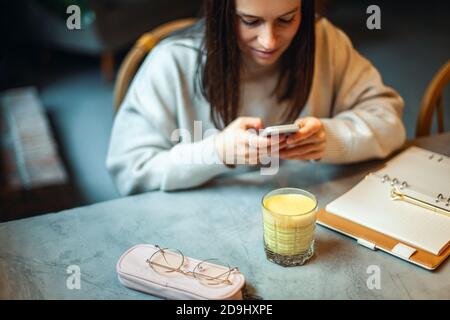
{"x": 195, "y": 275}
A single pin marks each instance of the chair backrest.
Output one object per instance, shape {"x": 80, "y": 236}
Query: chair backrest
{"x": 139, "y": 51}
{"x": 431, "y": 101}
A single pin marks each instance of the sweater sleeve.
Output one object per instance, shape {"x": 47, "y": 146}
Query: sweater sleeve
{"x": 366, "y": 115}
{"x": 144, "y": 154}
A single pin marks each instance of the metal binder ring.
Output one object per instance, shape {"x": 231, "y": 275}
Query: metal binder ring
{"x": 394, "y": 182}
{"x": 431, "y": 157}
{"x": 385, "y": 178}
{"x": 448, "y": 202}
{"x": 440, "y": 197}
{"x": 404, "y": 185}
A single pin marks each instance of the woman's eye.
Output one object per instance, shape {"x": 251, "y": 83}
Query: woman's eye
{"x": 250, "y": 23}
{"x": 287, "y": 21}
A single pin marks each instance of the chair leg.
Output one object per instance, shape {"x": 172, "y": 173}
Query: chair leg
{"x": 107, "y": 66}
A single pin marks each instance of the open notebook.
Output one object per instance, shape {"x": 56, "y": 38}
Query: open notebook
{"x": 404, "y": 208}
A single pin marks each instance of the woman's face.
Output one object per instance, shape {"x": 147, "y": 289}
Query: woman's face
{"x": 266, "y": 28}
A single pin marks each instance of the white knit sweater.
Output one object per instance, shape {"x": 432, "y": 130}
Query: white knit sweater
{"x": 361, "y": 116}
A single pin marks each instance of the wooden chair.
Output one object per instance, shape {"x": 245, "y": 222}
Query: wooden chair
{"x": 431, "y": 101}
{"x": 139, "y": 51}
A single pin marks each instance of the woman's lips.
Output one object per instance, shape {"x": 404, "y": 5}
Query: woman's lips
{"x": 265, "y": 54}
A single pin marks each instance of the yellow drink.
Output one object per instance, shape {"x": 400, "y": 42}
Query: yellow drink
{"x": 289, "y": 217}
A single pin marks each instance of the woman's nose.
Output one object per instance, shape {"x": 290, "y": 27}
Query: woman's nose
{"x": 267, "y": 38}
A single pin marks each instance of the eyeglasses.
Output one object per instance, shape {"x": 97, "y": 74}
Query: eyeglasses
{"x": 166, "y": 260}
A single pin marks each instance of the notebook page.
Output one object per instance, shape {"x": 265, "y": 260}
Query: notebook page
{"x": 424, "y": 171}
{"x": 369, "y": 204}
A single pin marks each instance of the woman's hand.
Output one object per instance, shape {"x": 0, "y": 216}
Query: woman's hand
{"x": 237, "y": 144}
{"x": 308, "y": 143}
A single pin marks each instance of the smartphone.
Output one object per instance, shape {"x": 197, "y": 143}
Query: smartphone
{"x": 280, "y": 130}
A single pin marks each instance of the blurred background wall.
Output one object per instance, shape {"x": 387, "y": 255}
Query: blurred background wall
{"x": 74, "y": 71}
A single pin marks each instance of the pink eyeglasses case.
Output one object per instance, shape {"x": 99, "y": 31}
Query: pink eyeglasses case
{"x": 135, "y": 273}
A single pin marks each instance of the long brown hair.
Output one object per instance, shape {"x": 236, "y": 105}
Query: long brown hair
{"x": 220, "y": 74}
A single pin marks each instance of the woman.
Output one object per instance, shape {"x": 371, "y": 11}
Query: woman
{"x": 248, "y": 65}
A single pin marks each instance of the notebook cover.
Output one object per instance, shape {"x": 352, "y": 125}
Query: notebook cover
{"x": 382, "y": 241}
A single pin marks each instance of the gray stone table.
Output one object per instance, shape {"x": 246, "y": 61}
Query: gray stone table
{"x": 219, "y": 220}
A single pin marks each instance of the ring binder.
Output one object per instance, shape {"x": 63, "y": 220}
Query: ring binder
{"x": 440, "y": 159}
{"x": 418, "y": 218}
{"x": 396, "y": 182}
